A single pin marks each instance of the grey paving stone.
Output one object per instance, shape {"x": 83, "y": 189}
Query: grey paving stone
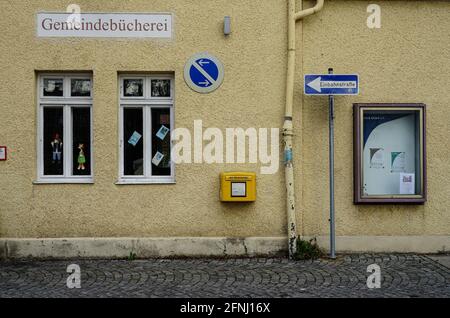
{"x": 402, "y": 276}
{"x": 442, "y": 259}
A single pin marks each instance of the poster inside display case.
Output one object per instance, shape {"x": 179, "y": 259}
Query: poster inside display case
{"x": 390, "y": 153}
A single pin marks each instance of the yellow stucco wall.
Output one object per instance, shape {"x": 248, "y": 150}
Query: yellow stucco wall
{"x": 403, "y": 61}
{"x": 397, "y": 63}
{"x": 251, "y": 96}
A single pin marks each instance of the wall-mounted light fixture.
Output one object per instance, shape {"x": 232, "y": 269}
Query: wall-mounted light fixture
{"x": 227, "y": 25}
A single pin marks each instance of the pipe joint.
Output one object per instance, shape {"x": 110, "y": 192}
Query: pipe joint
{"x": 305, "y": 13}
{"x": 288, "y": 133}
{"x": 288, "y": 129}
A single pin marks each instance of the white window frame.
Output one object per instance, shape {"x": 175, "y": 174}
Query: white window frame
{"x": 66, "y": 102}
{"x": 147, "y": 104}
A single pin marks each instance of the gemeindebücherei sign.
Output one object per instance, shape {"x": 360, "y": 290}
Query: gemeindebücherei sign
{"x": 105, "y": 25}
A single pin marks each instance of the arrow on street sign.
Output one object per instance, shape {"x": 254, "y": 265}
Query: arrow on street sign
{"x": 331, "y": 84}
{"x": 204, "y": 73}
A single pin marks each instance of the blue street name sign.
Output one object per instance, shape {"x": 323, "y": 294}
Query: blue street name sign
{"x": 331, "y": 84}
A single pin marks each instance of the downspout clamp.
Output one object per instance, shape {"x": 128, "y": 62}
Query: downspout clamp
{"x": 288, "y": 128}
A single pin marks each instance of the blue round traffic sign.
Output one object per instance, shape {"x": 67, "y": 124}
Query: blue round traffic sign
{"x": 203, "y": 73}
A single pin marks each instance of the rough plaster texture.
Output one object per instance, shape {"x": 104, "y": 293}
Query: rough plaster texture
{"x": 252, "y": 95}
{"x": 398, "y": 63}
{"x": 401, "y": 62}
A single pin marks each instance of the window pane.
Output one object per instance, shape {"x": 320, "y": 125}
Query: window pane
{"x": 53, "y": 141}
{"x": 391, "y": 152}
{"x": 161, "y": 142}
{"x": 80, "y": 87}
{"x": 81, "y": 145}
{"x": 133, "y": 87}
{"x": 133, "y": 141}
{"x": 53, "y": 87}
{"x": 160, "y": 88}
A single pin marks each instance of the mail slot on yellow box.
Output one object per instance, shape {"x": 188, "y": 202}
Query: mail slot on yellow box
{"x": 237, "y": 187}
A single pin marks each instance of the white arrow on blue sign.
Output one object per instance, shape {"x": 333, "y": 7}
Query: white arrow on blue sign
{"x": 204, "y": 73}
{"x": 331, "y": 84}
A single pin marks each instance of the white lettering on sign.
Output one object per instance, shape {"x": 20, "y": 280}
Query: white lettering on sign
{"x": 108, "y": 25}
{"x": 330, "y": 84}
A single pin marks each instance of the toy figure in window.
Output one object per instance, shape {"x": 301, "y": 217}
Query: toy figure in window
{"x": 57, "y": 145}
{"x": 81, "y": 157}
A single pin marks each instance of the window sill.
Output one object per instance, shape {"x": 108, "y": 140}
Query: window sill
{"x": 138, "y": 182}
{"x": 65, "y": 181}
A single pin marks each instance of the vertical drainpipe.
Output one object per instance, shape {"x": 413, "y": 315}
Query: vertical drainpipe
{"x": 288, "y": 128}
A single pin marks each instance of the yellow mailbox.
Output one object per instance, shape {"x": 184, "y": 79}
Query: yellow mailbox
{"x": 237, "y": 187}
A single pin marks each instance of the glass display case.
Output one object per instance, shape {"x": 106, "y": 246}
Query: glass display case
{"x": 390, "y": 156}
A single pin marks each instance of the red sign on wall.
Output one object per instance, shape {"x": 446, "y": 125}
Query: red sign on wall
{"x": 3, "y": 153}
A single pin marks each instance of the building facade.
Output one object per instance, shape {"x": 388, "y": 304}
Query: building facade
{"x": 81, "y": 117}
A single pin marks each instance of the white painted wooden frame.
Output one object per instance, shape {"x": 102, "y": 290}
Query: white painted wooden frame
{"x": 66, "y": 102}
{"x": 147, "y": 104}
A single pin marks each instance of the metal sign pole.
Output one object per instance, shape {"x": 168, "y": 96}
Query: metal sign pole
{"x": 330, "y": 84}
{"x": 331, "y": 146}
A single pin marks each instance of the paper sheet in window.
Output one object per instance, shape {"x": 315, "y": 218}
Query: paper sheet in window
{"x": 157, "y": 158}
{"x": 407, "y": 183}
{"x": 135, "y": 138}
{"x": 162, "y": 133}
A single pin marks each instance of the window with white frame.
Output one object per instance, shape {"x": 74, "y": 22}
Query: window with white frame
{"x": 65, "y": 128}
{"x": 145, "y": 124}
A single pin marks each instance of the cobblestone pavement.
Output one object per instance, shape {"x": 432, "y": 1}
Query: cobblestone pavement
{"x": 402, "y": 276}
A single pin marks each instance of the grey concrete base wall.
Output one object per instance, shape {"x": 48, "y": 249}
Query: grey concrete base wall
{"x": 207, "y": 247}
{"x": 388, "y": 244}
{"x": 142, "y": 247}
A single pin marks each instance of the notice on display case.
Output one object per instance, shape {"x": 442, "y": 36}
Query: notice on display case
{"x": 376, "y": 158}
{"x": 407, "y": 181}
{"x": 398, "y": 161}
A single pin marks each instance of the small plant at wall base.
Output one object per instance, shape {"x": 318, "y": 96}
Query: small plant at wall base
{"x": 307, "y": 250}
{"x": 132, "y": 256}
